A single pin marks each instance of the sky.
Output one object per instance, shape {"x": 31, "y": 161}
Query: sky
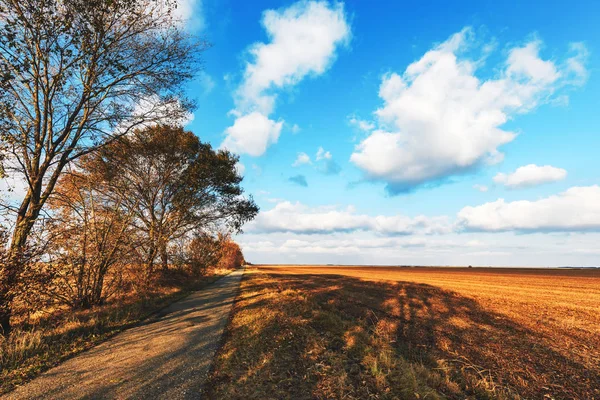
{"x": 407, "y": 133}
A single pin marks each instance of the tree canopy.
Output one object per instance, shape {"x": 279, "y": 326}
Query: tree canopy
{"x": 76, "y": 75}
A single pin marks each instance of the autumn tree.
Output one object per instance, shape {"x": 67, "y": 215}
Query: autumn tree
{"x": 75, "y": 75}
{"x": 176, "y": 185}
{"x": 219, "y": 251}
{"x": 89, "y": 235}
{"x": 203, "y": 252}
{"x": 231, "y": 255}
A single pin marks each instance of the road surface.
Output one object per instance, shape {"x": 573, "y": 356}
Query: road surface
{"x": 168, "y": 357}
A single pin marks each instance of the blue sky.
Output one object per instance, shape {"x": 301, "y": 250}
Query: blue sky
{"x": 391, "y": 133}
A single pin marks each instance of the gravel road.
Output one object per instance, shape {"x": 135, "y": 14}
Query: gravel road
{"x": 168, "y": 357}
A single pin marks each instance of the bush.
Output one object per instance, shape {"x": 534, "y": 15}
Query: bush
{"x": 206, "y": 251}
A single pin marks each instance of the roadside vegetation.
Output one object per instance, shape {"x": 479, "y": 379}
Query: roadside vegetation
{"x": 122, "y": 238}
{"x": 118, "y": 210}
{"x": 128, "y": 228}
{"x": 386, "y": 333}
{"x": 46, "y": 337}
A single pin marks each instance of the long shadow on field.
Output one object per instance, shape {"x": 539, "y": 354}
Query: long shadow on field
{"x": 326, "y": 336}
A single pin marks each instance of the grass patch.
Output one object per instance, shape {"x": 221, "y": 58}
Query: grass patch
{"x": 54, "y": 337}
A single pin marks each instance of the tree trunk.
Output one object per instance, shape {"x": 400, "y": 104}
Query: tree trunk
{"x": 13, "y": 266}
{"x": 8, "y": 275}
{"x": 5, "y": 314}
{"x": 97, "y": 299}
{"x": 150, "y": 263}
{"x": 164, "y": 257}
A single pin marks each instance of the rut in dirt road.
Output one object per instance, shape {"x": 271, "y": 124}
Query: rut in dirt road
{"x": 168, "y": 357}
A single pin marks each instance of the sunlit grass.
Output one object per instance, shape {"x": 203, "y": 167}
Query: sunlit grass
{"x": 304, "y": 334}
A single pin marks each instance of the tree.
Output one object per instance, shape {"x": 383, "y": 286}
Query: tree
{"x": 203, "y": 252}
{"x": 89, "y": 238}
{"x": 74, "y": 76}
{"x": 231, "y": 256}
{"x": 175, "y": 184}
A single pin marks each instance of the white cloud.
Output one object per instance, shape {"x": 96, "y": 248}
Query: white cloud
{"x": 325, "y": 162}
{"x": 252, "y": 134}
{"x": 364, "y": 248}
{"x": 153, "y": 110}
{"x": 240, "y": 168}
{"x": 295, "y": 129}
{"x": 13, "y": 188}
{"x": 304, "y": 38}
{"x": 576, "y": 209}
{"x": 322, "y": 154}
{"x": 438, "y": 119}
{"x": 576, "y": 63}
{"x": 303, "y": 41}
{"x": 301, "y": 159}
{"x": 298, "y": 218}
{"x": 361, "y": 124}
{"x": 190, "y": 13}
{"x": 481, "y": 188}
{"x": 530, "y": 175}
{"x": 525, "y": 62}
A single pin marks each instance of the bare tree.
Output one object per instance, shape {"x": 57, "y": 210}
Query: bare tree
{"x": 74, "y": 76}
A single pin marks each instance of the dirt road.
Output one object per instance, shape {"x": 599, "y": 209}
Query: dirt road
{"x": 168, "y": 357}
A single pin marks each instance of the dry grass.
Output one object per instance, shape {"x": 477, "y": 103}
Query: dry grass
{"x": 405, "y": 333}
{"x": 46, "y": 338}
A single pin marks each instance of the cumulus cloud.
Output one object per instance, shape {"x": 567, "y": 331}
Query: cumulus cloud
{"x": 295, "y": 129}
{"x": 325, "y": 162}
{"x": 252, "y": 134}
{"x": 299, "y": 180}
{"x": 304, "y": 39}
{"x": 525, "y": 62}
{"x": 439, "y": 119}
{"x": 301, "y": 159}
{"x": 530, "y": 175}
{"x": 576, "y": 209}
{"x": 361, "y": 124}
{"x": 322, "y": 154}
{"x": 298, "y": 218}
{"x": 481, "y": 188}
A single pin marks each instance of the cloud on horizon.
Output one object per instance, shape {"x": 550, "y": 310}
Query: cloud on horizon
{"x": 298, "y": 218}
{"x": 530, "y": 175}
{"x": 575, "y": 210}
